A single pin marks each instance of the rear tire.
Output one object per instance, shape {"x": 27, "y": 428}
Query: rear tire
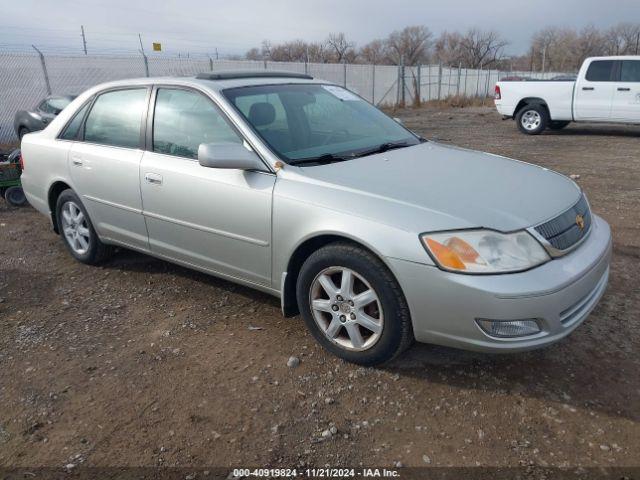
{"x": 77, "y": 231}
{"x": 368, "y": 329}
{"x": 532, "y": 119}
{"x": 558, "y": 125}
{"x": 15, "y": 196}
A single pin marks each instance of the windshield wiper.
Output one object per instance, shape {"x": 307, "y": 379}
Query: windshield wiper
{"x": 321, "y": 159}
{"x": 332, "y": 157}
{"x": 384, "y": 147}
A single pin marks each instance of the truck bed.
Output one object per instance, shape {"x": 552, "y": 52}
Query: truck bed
{"x": 557, "y": 94}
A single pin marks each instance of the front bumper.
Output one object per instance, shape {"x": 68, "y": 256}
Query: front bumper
{"x": 559, "y": 295}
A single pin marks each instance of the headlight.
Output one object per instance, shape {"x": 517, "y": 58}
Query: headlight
{"x": 484, "y": 251}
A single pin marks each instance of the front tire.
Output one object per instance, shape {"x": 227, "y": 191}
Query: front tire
{"x": 532, "y": 119}
{"x": 353, "y": 305}
{"x": 77, "y": 231}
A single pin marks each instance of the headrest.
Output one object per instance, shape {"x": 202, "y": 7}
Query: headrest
{"x": 262, "y": 113}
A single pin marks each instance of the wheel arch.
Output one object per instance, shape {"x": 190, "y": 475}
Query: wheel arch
{"x": 55, "y": 190}
{"x": 530, "y": 101}
{"x": 301, "y": 252}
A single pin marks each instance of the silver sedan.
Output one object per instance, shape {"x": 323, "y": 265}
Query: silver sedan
{"x": 300, "y": 188}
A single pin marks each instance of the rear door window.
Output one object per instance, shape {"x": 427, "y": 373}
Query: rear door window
{"x": 630, "y": 71}
{"x": 115, "y": 118}
{"x": 600, "y": 71}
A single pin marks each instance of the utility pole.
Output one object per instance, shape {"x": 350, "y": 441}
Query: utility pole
{"x": 544, "y": 58}
{"x": 84, "y": 39}
{"x": 637, "y": 42}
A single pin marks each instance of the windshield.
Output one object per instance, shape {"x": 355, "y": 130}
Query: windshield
{"x": 305, "y": 123}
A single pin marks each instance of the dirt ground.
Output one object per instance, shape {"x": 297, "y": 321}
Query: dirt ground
{"x": 143, "y": 363}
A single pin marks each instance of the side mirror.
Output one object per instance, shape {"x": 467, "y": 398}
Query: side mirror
{"x": 398, "y": 120}
{"x": 228, "y": 155}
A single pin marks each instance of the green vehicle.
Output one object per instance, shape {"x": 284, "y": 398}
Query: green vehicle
{"x": 10, "y": 185}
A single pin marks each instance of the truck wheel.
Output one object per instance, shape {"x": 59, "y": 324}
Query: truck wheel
{"x": 558, "y": 125}
{"x": 77, "y": 231}
{"x": 353, "y": 305}
{"x": 532, "y": 119}
{"x": 15, "y": 196}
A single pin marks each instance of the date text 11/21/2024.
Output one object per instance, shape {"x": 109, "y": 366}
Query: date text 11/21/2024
{"x": 316, "y": 472}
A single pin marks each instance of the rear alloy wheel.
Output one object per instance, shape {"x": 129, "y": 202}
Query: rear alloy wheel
{"x": 77, "y": 231}
{"x": 75, "y": 228}
{"x": 353, "y": 305}
{"x": 532, "y": 119}
{"x": 15, "y": 196}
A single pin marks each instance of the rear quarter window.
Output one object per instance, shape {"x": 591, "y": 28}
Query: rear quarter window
{"x": 73, "y": 127}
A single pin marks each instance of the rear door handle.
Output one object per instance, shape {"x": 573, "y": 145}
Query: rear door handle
{"x": 153, "y": 178}
{"x": 623, "y": 89}
{"x": 77, "y": 161}
{"x": 588, "y": 88}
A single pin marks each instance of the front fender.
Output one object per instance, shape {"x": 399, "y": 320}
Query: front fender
{"x": 296, "y": 221}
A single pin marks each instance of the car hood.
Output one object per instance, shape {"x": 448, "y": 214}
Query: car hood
{"x": 434, "y": 186}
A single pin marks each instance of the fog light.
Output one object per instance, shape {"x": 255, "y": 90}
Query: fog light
{"x": 508, "y": 328}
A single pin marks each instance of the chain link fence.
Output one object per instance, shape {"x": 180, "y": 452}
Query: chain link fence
{"x": 26, "y": 78}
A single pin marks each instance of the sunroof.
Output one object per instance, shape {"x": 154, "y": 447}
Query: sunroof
{"x": 257, "y": 74}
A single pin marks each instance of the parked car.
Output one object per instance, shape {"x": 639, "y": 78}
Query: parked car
{"x": 607, "y": 89}
{"x": 33, "y": 120}
{"x": 300, "y": 188}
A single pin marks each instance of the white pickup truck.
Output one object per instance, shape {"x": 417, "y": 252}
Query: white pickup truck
{"x": 607, "y": 89}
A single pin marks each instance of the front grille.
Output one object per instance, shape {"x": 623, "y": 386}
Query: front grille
{"x": 563, "y": 232}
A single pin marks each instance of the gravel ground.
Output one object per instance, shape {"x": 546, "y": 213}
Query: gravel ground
{"x": 143, "y": 363}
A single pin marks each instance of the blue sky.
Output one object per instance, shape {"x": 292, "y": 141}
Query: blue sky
{"x": 201, "y": 26}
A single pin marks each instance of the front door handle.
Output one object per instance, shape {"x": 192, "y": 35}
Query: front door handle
{"x": 588, "y": 88}
{"x": 77, "y": 161}
{"x": 153, "y": 178}
{"x": 623, "y": 89}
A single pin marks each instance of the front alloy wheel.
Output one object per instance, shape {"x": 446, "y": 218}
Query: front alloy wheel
{"x": 353, "y": 305}
{"x": 350, "y": 315}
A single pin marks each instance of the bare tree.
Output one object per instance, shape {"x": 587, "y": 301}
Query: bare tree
{"x": 254, "y": 54}
{"x": 292, "y": 51}
{"x": 589, "y": 43}
{"x": 373, "y": 52}
{"x": 623, "y": 39}
{"x": 340, "y": 46}
{"x": 318, "y": 53}
{"x": 410, "y": 45}
{"x": 483, "y": 47}
{"x": 554, "y": 48}
{"x": 266, "y": 49}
